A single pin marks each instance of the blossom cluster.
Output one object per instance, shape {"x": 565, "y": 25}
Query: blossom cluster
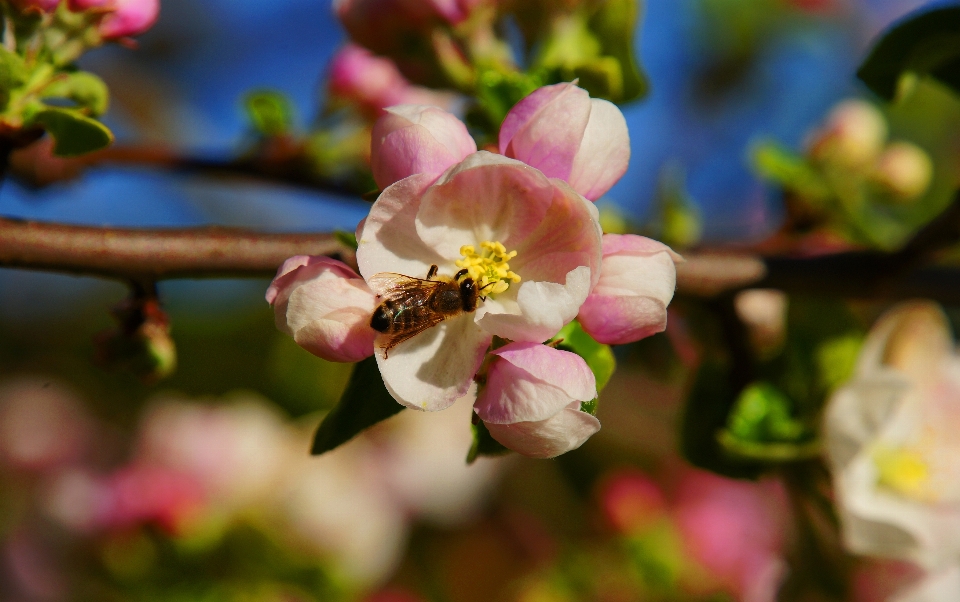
{"x": 117, "y": 18}
{"x": 517, "y": 230}
{"x": 198, "y": 468}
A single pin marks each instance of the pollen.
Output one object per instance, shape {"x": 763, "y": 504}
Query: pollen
{"x": 489, "y": 267}
{"x": 902, "y": 470}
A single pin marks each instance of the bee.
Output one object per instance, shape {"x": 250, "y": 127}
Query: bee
{"x": 408, "y": 305}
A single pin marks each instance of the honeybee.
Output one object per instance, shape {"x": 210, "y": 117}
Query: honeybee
{"x": 409, "y": 305}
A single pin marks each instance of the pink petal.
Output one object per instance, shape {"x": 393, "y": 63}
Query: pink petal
{"x": 131, "y": 18}
{"x": 325, "y": 306}
{"x": 412, "y": 139}
{"x": 435, "y": 368}
{"x": 533, "y": 382}
{"x": 622, "y": 320}
{"x": 545, "y": 128}
{"x": 564, "y": 431}
{"x": 604, "y": 152}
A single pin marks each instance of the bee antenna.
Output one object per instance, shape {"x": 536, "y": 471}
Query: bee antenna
{"x": 461, "y": 274}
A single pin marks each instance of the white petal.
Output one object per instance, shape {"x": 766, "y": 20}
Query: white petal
{"x": 936, "y": 587}
{"x": 540, "y": 310}
{"x": 565, "y": 431}
{"x": 627, "y": 275}
{"x": 604, "y": 152}
{"x": 388, "y": 241}
{"x": 436, "y": 367}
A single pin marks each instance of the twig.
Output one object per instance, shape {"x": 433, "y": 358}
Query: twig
{"x": 143, "y": 254}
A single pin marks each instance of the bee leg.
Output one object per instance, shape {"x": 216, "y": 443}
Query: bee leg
{"x": 461, "y": 274}
{"x": 432, "y": 272}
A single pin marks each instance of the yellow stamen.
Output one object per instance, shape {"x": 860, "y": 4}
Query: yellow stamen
{"x": 902, "y": 470}
{"x": 488, "y": 268}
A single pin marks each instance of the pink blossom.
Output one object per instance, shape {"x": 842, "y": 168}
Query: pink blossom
{"x": 372, "y": 83}
{"x": 631, "y": 501}
{"x": 123, "y": 18}
{"x": 636, "y": 284}
{"x": 565, "y": 134}
{"x": 412, "y": 139}
{"x": 325, "y": 306}
{"x": 531, "y": 400}
{"x": 734, "y": 530}
{"x": 415, "y": 224}
{"x": 145, "y": 494}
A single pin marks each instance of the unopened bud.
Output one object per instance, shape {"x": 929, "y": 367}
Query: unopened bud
{"x": 853, "y": 135}
{"x": 905, "y": 170}
{"x": 764, "y": 313}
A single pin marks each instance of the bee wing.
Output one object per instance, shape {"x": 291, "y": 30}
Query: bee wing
{"x": 425, "y": 321}
{"x": 397, "y": 287}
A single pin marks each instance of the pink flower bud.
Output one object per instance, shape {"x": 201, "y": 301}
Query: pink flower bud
{"x": 372, "y": 83}
{"x": 637, "y": 280}
{"x": 325, "y": 306}
{"x": 565, "y": 134}
{"x": 853, "y": 135}
{"x": 904, "y": 169}
{"x": 44, "y": 6}
{"x": 413, "y": 139}
{"x": 123, "y": 18}
{"x": 531, "y": 401}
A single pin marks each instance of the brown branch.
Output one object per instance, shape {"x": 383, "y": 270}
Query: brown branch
{"x": 142, "y": 254}
{"x": 282, "y": 162}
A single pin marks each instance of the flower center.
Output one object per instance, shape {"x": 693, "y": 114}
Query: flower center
{"x": 903, "y": 470}
{"x": 488, "y": 268}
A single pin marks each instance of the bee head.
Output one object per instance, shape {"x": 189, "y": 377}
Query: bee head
{"x": 468, "y": 293}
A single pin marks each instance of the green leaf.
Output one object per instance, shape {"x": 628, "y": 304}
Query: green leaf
{"x": 83, "y": 88}
{"x": 597, "y": 355}
{"x": 774, "y": 162}
{"x": 364, "y": 403}
{"x": 13, "y": 74}
{"x": 347, "y": 239}
{"x": 614, "y": 25}
{"x": 270, "y": 112}
{"x": 73, "y": 132}
{"x": 762, "y": 413}
{"x": 483, "y": 443}
{"x": 925, "y": 44}
{"x": 768, "y": 453}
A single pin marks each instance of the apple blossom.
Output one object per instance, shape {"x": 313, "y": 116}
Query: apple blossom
{"x": 325, "y": 306}
{"x": 530, "y": 402}
{"x": 565, "y": 134}
{"x": 637, "y": 281}
{"x": 492, "y": 203}
{"x": 413, "y": 139}
{"x": 631, "y": 501}
{"x": 372, "y": 83}
{"x": 891, "y": 441}
{"x": 733, "y": 529}
{"x": 384, "y": 25}
{"x": 122, "y": 18}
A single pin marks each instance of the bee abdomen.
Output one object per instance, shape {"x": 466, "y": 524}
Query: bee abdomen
{"x": 382, "y": 318}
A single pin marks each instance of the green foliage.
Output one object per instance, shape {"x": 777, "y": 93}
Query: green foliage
{"x": 365, "y": 402}
{"x": 83, "y": 88}
{"x": 761, "y": 427}
{"x": 597, "y": 355}
{"x": 614, "y": 26}
{"x": 927, "y": 44}
{"x": 73, "y": 132}
{"x": 13, "y": 74}
{"x": 269, "y": 111}
{"x": 836, "y": 359}
{"x": 483, "y": 443}
{"x": 347, "y": 239}
{"x": 774, "y": 162}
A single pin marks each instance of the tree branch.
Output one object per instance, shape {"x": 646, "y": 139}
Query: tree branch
{"x": 142, "y": 254}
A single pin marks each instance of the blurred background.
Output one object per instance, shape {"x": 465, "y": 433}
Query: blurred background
{"x": 200, "y": 487}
